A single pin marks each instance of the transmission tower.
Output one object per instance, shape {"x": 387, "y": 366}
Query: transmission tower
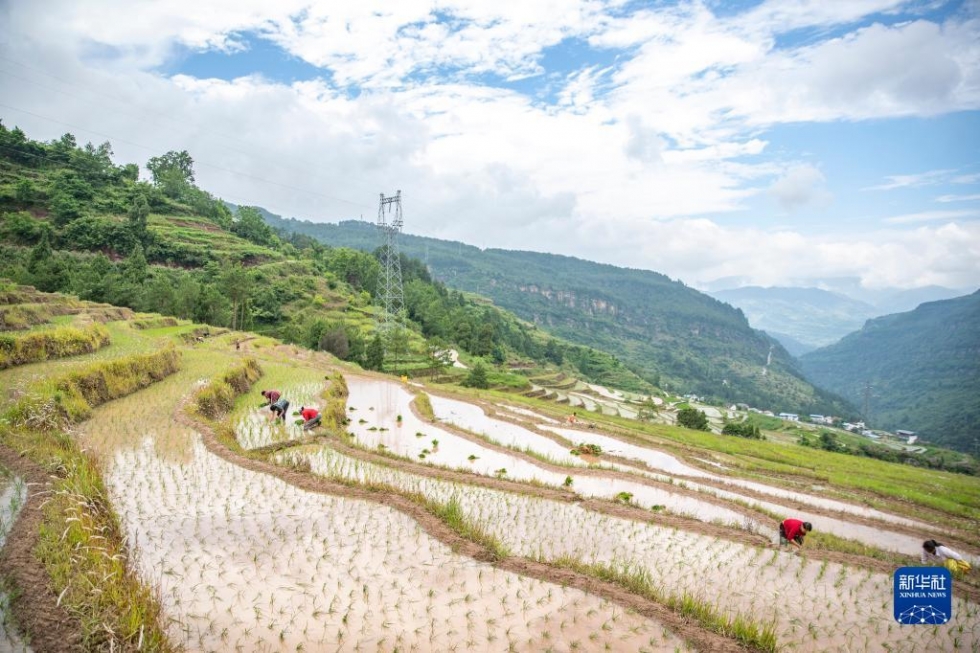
{"x": 392, "y": 295}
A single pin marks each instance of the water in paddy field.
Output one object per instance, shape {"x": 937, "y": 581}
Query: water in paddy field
{"x": 13, "y": 495}
{"x": 257, "y": 428}
{"x": 393, "y": 400}
{"x": 809, "y": 601}
{"x": 245, "y": 561}
{"x": 872, "y": 535}
{"x": 373, "y": 410}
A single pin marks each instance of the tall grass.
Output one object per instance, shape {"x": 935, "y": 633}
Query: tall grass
{"x": 217, "y": 397}
{"x": 61, "y": 342}
{"x": 80, "y": 542}
{"x": 424, "y": 405}
{"x": 56, "y": 403}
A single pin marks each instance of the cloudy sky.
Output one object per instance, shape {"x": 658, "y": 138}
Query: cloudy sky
{"x": 767, "y": 143}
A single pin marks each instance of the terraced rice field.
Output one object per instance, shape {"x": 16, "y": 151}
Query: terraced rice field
{"x": 478, "y": 530}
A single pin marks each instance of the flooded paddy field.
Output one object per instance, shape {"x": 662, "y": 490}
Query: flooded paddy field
{"x": 840, "y": 606}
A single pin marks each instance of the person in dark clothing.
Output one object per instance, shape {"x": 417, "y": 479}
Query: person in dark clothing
{"x": 279, "y": 408}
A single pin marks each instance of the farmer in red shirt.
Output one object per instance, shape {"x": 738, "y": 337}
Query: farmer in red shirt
{"x": 311, "y": 417}
{"x": 793, "y": 531}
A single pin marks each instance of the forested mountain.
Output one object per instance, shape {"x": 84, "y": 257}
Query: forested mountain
{"x": 73, "y": 221}
{"x": 807, "y": 317}
{"x": 670, "y": 334}
{"x": 922, "y": 366}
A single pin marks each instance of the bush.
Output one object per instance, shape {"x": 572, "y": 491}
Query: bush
{"x": 743, "y": 430}
{"x": 692, "y": 418}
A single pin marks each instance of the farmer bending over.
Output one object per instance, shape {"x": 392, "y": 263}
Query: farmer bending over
{"x": 936, "y": 552}
{"x": 311, "y": 417}
{"x": 272, "y": 396}
{"x": 793, "y": 531}
{"x": 279, "y": 409}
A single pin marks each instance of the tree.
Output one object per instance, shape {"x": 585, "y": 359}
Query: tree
{"x": 334, "y": 340}
{"x": 40, "y": 253}
{"x": 692, "y": 418}
{"x": 477, "y": 378}
{"x": 135, "y": 268}
{"x": 236, "y": 284}
{"x": 374, "y": 356}
{"x": 173, "y": 172}
{"x": 252, "y": 227}
{"x": 138, "y": 213}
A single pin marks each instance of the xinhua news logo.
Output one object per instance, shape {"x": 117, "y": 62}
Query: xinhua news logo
{"x": 923, "y": 595}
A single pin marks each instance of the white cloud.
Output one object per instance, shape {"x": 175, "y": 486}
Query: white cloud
{"x": 911, "y": 181}
{"x": 930, "y": 216}
{"x": 958, "y": 198}
{"x": 800, "y": 186}
{"x": 625, "y": 166}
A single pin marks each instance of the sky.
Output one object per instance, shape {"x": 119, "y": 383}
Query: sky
{"x": 773, "y": 143}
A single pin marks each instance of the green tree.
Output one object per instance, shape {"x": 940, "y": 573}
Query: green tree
{"x": 135, "y": 268}
{"x": 173, "y": 172}
{"x": 40, "y": 253}
{"x": 692, "y": 418}
{"x": 138, "y": 213}
{"x": 374, "y": 356}
{"x": 25, "y": 191}
{"x": 236, "y": 284}
{"x": 252, "y": 227}
{"x": 477, "y": 378}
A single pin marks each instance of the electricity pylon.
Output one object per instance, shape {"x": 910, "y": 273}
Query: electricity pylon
{"x": 392, "y": 294}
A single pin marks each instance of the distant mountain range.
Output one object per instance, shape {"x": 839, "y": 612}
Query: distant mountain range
{"x": 668, "y": 333}
{"x": 804, "y": 319}
{"x": 923, "y": 368}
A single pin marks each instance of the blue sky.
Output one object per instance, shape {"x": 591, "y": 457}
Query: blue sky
{"x": 767, "y": 141}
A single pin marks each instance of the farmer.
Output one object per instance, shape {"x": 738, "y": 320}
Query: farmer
{"x": 936, "y": 552}
{"x": 311, "y": 417}
{"x": 279, "y": 408}
{"x": 271, "y": 395}
{"x": 793, "y": 531}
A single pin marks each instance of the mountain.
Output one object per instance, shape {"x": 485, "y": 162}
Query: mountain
{"x": 73, "y": 221}
{"x": 810, "y": 317}
{"x": 922, "y": 367}
{"x": 670, "y": 334}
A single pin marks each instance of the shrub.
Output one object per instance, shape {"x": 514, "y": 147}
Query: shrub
{"x": 692, "y": 418}
{"x": 743, "y": 430}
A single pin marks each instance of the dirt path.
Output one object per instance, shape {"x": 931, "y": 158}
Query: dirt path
{"x": 44, "y": 625}
{"x": 699, "y": 637}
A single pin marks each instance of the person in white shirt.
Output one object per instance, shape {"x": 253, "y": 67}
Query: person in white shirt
{"x": 936, "y": 552}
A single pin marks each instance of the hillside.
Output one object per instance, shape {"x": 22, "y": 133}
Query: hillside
{"x": 922, "y": 366}
{"x": 72, "y": 220}
{"x": 670, "y": 334}
{"x": 807, "y": 316}
{"x": 152, "y": 504}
